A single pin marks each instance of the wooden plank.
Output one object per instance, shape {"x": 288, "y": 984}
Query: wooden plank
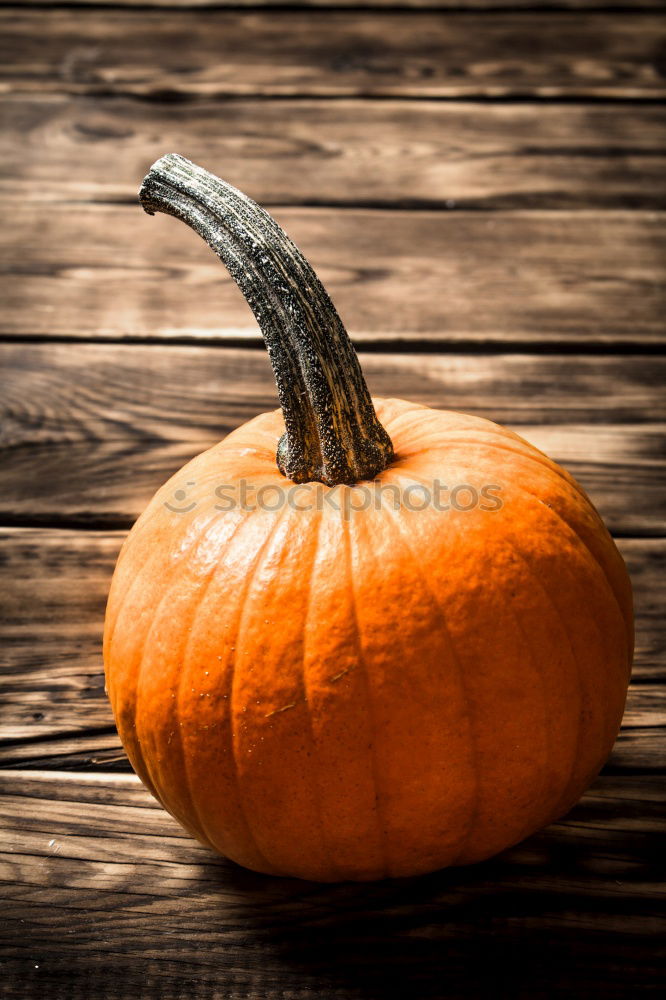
{"x": 645, "y": 561}
{"x": 53, "y": 613}
{"x": 347, "y": 152}
{"x": 646, "y": 707}
{"x": 55, "y": 688}
{"x": 331, "y": 53}
{"x": 107, "y": 483}
{"x": 52, "y": 616}
{"x": 105, "y": 425}
{"x": 100, "y": 886}
{"x": 110, "y": 271}
{"x": 640, "y": 747}
{"x": 473, "y": 5}
{"x": 638, "y": 750}
{"x": 191, "y": 393}
{"x": 55, "y": 712}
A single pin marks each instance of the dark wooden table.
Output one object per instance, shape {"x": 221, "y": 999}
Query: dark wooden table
{"x": 480, "y": 185}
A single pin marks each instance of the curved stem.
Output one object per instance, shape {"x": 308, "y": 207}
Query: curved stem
{"x": 332, "y": 431}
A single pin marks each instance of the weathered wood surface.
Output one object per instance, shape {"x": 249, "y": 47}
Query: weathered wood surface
{"x": 54, "y": 609}
{"x": 462, "y": 235}
{"x": 639, "y": 750}
{"x": 91, "y": 431}
{"x": 472, "y": 5}
{"x": 114, "y": 900}
{"x": 179, "y": 393}
{"x": 55, "y": 712}
{"x": 93, "y": 484}
{"x": 640, "y": 747}
{"x": 109, "y": 271}
{"x": 348, "y": 152}
{"x": 332, "y": 53}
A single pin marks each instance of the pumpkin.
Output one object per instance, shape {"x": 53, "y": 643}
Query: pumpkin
{"x": 407, "y": 646}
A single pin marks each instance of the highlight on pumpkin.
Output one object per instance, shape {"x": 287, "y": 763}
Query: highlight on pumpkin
{"x": 358, "y": 697}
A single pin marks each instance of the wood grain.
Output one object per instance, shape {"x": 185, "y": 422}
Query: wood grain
{"x": 645, "y": 561}
{"x": 55, "y": 712}
{"x": 347, "y": 152}
{"x": 108, "y": 891}
{"x": 91, "y": 431}
{"x": 640, "y": 749}
{"x": 331, "y": 53}
{"x": 473, "y": 5}
{"x": 467, "y": 176}
{"x": 180, "y": 393}
{"x": 54, "y": 590}
{"x": 96, "y": 271}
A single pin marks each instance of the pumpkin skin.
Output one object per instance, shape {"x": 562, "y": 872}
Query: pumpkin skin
{"x": 380, "y": 694}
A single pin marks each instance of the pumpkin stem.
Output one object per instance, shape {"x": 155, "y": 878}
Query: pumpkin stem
{"x": 332, "y": 433}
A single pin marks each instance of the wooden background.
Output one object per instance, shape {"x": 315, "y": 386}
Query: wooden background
{"x": 480, "y": 184}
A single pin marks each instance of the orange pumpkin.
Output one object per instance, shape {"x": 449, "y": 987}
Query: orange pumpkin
{"x": 415, "y": 657}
